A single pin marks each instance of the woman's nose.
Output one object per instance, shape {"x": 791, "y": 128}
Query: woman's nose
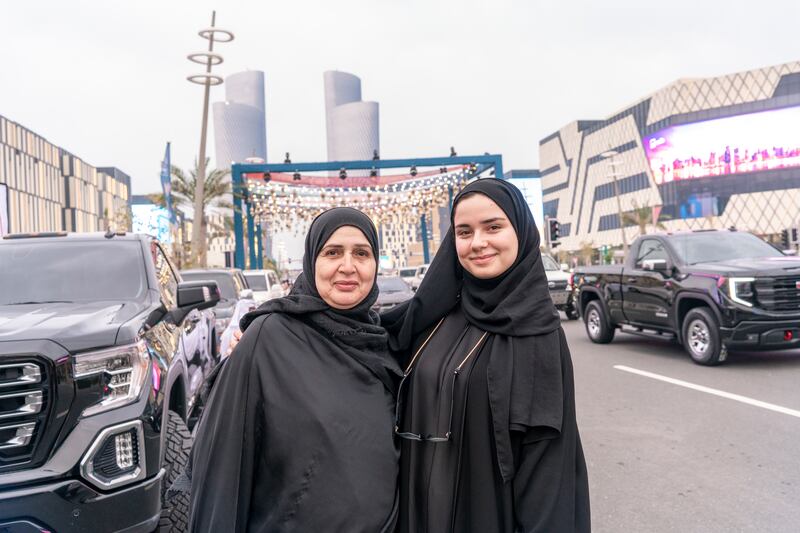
{"x": 347, "y": 263}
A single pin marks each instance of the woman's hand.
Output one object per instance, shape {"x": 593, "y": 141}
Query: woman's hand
{"x": 234, "y": 341}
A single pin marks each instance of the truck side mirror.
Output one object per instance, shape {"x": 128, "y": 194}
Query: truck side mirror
{"x": 657, "y": 265}
{"x": 198, "y": 294}
{"x": 194, "y": 295}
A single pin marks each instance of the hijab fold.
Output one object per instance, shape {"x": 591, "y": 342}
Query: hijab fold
{"x": 525, "y": 372}
{"x": 356, "y": 331}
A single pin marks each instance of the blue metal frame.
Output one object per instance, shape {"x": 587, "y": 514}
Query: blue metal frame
{"x": 483, "y": 162}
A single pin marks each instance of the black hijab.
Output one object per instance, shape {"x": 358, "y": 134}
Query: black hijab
{"x": 526, "y": 373}
{"x": 357, "y": 331}
{"x": 516, "y": 303}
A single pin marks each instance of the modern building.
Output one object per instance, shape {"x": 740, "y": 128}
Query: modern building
{"x": 699, "y": 153}
{"x": 43, "y": 187}
{"x": 352, "y": 126}
{"x": 240, "y": 130}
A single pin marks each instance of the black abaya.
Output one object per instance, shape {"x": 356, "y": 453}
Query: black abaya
{"x": 457, "y": 485}
{"x": 516, "y": 462}
{"x": 297, "y": 437}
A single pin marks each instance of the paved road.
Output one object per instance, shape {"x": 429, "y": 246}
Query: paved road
{"x": 664, "y": 457}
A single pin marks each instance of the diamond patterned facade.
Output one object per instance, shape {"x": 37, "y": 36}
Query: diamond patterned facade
{"x": 755, "y": 188}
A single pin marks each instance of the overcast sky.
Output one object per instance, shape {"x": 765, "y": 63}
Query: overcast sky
{"x": 107, "y": 79}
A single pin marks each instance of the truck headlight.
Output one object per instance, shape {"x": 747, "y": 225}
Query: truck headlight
{"x": 742, "y": 290}
{"x": 121, "y": 370}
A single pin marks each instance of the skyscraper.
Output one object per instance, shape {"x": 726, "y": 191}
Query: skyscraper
{"x": 239, "y": 122}
{"x": 352, "y": 125}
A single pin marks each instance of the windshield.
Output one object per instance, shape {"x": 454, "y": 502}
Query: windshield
{"x": 224, "y": 281}
{"x": 408, "y": 272}
{"x": 715, "y": 246}
{"x": 71, "y": 271}
{"x": 394, "y": 284}
{"x": 549, "y": 263}
{"x": 257, "y": 282}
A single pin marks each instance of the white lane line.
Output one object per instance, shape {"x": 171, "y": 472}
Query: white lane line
{"x": 709, "y": 390}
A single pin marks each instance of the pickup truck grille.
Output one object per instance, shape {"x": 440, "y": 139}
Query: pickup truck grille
{"x": 779, "y": 294}
{"x": 24, "y": 406}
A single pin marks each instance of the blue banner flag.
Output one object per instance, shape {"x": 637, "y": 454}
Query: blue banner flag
{"x": 166, "y": 185}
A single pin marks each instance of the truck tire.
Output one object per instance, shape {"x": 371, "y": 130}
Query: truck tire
{"x": 597, "y": 328}
{"x": 701, "y": 338}
{"x": 175, "y": 508}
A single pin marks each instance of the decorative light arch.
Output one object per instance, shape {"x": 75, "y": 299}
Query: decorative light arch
{"x": 288, "y": 194}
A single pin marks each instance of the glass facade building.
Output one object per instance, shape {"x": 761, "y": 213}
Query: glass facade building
{"x": 49, "y": 189}
{"x": 698, "y": 154}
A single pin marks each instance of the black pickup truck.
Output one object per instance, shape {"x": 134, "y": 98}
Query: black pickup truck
{"x": 710, "y": 290}
{"x": 102, "y": 353}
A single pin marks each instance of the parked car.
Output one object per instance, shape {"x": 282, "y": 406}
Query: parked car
{"x": 264, "y": 283}
{"x": 236, "y": 299}
{"x": 710, "y": 290}
{"x": 560, "y": 285}
{"x": 393, "y": 291}
{"x": 103, "y": 349}
{"x": 413, "y": 275}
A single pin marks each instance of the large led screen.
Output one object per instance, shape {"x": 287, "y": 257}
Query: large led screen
{"x": 734, "y": 145}
{"x": 4, "y": 230}
{"x": 151, "y": 220}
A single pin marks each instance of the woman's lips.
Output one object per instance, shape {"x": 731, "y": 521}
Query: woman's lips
{"x": 483, "y": 259}
{"x": 346, "y": 286}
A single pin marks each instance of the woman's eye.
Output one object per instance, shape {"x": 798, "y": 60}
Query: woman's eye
{"x": 463, "y": 233}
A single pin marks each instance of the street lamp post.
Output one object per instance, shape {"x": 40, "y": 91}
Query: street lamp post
{"x": 207, "y": 80}
{"x": 610, "y": 155}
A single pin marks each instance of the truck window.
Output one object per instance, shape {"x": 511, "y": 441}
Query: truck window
{"x": 167, "y": 282}
{"x": 549, "y": 263}
{"x": 650, "y": 249}
{"x": 715, "y": 246}
{"x": 256, "y": 281}
{"x": 71, "y": 271}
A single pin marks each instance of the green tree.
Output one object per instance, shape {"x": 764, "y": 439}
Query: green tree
{"x": 216, "y": 189}
{"x": 641, "y": 216}
{"x": 587, "y": 252}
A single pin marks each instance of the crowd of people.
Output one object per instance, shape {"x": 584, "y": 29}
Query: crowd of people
{"x": 454, "y": 411}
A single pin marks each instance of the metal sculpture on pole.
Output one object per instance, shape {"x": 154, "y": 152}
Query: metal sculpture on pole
{"x": 207, "y": 80}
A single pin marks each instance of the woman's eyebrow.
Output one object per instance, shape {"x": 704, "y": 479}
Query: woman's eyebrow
{"x": 490, "y": 220}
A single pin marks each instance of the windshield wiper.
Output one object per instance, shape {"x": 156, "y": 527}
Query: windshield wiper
{"x": 42, "y": 302}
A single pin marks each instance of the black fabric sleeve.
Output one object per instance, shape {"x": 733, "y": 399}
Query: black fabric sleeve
{"x": 551, "y": 485}
{"x": 226, "y": 447}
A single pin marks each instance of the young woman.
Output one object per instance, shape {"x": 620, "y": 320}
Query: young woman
{"x": 486, "y": 410}
{"x": 298, "y": 434}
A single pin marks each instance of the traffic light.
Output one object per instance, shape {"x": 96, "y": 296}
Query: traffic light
{"x": 785, "y": 239}
{"x": 554, "y": 232}
{"x": 795, "y": 239}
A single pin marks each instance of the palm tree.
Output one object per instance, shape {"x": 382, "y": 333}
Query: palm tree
{"x": 587, "y": 252}
{"x": 216, "y": 189}
{"x": 641, "y": 216}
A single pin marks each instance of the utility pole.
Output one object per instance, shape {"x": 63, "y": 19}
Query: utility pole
{"x": 612, "y": 163}
{"x": 207, "y": 80}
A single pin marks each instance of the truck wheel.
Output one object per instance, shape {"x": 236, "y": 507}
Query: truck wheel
{"x": 701, "y": 337}
{"x": 594, "y": 318}
{"x": 175, "y": 508}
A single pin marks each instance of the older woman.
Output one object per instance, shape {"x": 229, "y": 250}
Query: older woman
{"x": 298, "y": 434}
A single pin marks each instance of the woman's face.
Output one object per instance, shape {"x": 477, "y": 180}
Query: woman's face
{"x": 345, "y": 268}
{"x": 486, "y": 243}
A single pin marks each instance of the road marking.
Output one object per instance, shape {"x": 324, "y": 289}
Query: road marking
{"x": 709, "y": 390}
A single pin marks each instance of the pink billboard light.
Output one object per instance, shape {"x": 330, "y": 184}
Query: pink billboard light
{"x": 734, "y": 145}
